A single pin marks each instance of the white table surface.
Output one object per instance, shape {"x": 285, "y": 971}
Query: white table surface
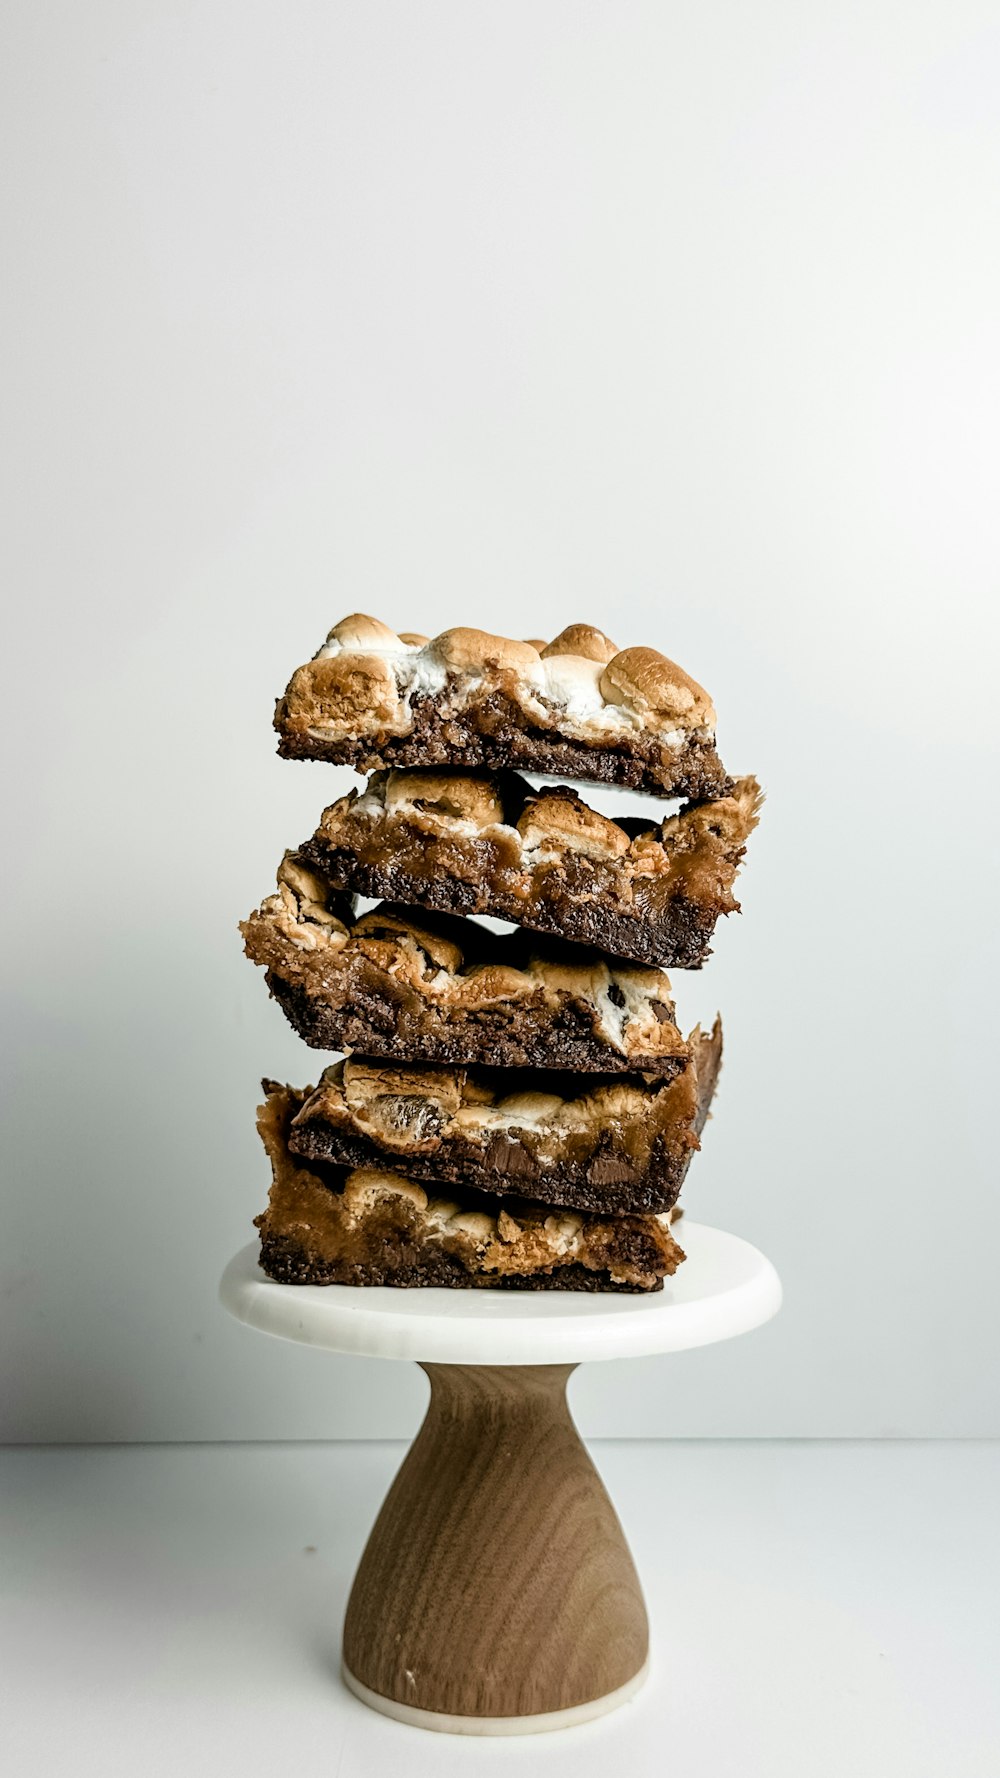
{"x": 818, "y": 1611}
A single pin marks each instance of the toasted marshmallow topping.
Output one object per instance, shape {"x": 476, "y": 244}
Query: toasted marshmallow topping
{"x": 365, "y": 679}
{"x": 543, "y": 826}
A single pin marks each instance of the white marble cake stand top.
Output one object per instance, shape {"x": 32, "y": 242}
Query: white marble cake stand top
{"x": 724, "y": 1288}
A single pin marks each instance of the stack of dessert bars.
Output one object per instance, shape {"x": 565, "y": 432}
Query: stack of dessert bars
{"x": 514, "y": 1108}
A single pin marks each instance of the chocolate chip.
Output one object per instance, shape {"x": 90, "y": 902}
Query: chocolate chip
{"x": 505, "y": 1154}
{"x": 609, "y": 1169}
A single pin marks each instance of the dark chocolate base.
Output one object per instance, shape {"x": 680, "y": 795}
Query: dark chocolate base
{"x": 494, "y": 735}
{"x": 507, "y": 1037}
{"x": 606, "y": 1183}
{"x": 421, "y": 1268}
{"x": 675, "y": 936}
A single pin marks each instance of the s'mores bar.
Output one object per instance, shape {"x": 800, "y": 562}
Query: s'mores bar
{"x": 615, "y": 1145}
{"x": 512, "y": 1110}
{"x": 489, "y": 844}
{"x": 438, "y": 988}
{"x": 576, "y": 707}
{"x": 329, "y": 1225}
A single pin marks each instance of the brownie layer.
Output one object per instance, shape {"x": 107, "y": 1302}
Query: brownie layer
{"x": 292, "y": 1261}
{"x": 329, "y": 1225}
{"x": 492, "y": 845}
{"x": 577, "y": 707}
{"x": 443, "y": 989}
{"x": 607, "y": 1145}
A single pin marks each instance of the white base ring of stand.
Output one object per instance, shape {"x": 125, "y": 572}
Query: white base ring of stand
{"x": 444, "y": 1724}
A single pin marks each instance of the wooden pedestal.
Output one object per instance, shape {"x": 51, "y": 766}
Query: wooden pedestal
{"x": 497, "y": 1594}
{"x": 496, "y": 1583}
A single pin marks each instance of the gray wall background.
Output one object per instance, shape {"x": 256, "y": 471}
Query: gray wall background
{"x": 679, "y": 319}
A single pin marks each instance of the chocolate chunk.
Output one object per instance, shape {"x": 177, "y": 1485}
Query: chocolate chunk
{"x": 506, "y": 1155}
{"x": 610, "y": 1169}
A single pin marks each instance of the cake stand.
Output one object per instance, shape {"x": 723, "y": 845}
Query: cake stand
{"x": 496, "y": 1594}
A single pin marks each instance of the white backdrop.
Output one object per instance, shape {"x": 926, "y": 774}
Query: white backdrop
{"x": 680, "y": 320}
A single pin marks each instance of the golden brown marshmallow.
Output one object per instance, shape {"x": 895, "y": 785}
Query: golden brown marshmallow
{"x": 655, "y": 687}
{"x": 555, "y": 818}
{"x": 470, "y": 651}
{"x": 345, "y": 693}
{"x": 377, "y": 921}
{"x": 358, "y": 633}
{"x": 462, "y": 798}
{"x": 582, "y": 640}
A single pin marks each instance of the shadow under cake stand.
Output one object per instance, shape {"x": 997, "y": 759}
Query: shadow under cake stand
{"x": 497, "y": 1594}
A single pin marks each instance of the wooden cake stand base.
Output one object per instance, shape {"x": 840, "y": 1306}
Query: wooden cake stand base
{"x": 497, "y": 1594}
